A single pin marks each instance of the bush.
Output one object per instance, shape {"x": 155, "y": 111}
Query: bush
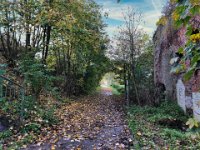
{"x": 36, "y": 75}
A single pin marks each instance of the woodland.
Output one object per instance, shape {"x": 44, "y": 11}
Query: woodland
{"x": 65, "y": 84}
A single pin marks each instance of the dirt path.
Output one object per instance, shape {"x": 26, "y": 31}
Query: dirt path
{"x": 95, "y": 122}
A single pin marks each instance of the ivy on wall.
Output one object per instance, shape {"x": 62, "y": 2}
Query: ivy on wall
{"x": 187, "y": 14}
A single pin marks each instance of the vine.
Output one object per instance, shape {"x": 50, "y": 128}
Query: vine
{"x": 187, "y": 14}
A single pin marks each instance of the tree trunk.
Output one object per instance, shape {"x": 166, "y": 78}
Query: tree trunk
{"x": 28, "y": 30}
{"x": 47, "y": 41}
{"x": 43, "y": 41}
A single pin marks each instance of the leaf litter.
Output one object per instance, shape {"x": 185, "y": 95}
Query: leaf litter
{"x": 94, "y": 122}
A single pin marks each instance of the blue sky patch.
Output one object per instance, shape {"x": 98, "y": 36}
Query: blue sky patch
{"x": 151, "y": 10}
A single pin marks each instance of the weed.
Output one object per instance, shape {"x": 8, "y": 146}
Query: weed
{"x": 48, "y": 116}
{"x": 174, "y": 134}
{"x": 155, "y": 127}
{"x": 31, "y": 127}
{"x": 5, "y": 134}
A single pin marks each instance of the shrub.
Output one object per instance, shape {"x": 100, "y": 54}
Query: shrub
{"x": 36, "y": 75}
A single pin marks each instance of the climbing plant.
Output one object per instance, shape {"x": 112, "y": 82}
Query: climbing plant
{"x": 187, "y": 14}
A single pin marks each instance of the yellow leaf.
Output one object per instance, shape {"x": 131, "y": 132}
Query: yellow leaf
{"x": 53, "y": 147}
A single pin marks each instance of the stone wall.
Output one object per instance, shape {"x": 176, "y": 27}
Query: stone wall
{"x": 164, "y": 51}
{"x": 167, "y": 40}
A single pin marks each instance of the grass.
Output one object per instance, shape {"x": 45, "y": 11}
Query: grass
{"x": 149, "y": 133}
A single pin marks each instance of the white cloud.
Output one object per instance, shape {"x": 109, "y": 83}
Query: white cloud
{"x": 151, "y": 10}
{"x": 148, "y": 30}
{"x": 115, "y": 11}
{"x": 111, "y": 30}
{"x": 151, "y": 18}
{"x": 158, "y": 4}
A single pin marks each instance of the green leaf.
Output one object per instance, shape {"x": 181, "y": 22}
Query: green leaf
{"x": 179, "y": 23}
{"x": 180, "y": 50}
{"x": 195, "y": 59}
{"x": 189, "y": 30}
{"x": 187, "y": 76}
{"x": 186, "y": 20}
{"x": 181, "y": 9}
{"x": 195, "y": 10}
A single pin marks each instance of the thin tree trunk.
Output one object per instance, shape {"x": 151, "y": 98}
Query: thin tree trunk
{"x": 28, "y": 30}
{"x": 43, "y": 42}
{"x": 136, "y": 91}
{"x": 47, "y": 41}
{"x": 8, "y": 37}
{"x": 2, "y": 42}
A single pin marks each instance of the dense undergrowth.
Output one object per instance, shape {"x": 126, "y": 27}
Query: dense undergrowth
{"x": 161, "y": 127}
{"x": 61, "y": 55}
{"x": 38, "y": 118}
{"x": 25, "y": 119}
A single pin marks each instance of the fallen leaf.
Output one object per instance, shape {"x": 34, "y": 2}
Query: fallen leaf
{"x": 53, "y": 147}
{"x": 139, "y": 133}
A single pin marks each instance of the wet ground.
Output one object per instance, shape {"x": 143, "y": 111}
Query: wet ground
{"x": 92, "y": 123}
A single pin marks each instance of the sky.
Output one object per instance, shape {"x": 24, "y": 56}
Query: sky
{"x": 150, "y": 9}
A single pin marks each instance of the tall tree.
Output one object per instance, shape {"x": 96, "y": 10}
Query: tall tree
{"x": 130, "y": 43}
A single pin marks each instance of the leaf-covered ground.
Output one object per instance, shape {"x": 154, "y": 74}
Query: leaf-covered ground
{"x": 93, "y": 122}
